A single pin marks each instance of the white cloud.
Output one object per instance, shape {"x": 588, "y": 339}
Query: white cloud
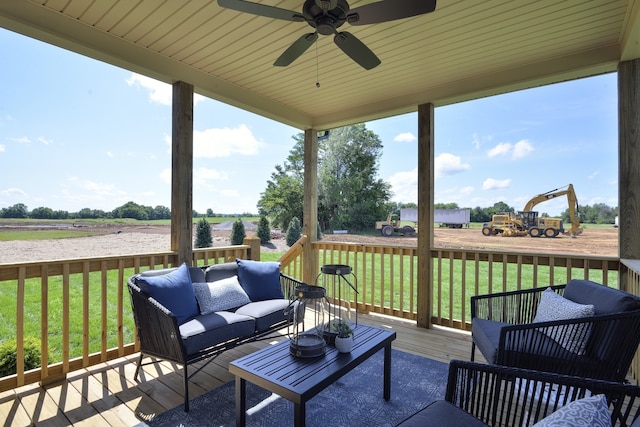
{"x": 447, "y": 164}
{"x": 96, "y": 189}
{"x": 522, "y": 149}
{"x": 3, "y": 148}
{"x": 495, "y": 184}
{"x": 593, "y": 175}
{"x": 44, "y": 141}
{"x": 13, "y": 193}
{"x": 109, "y": 154}
{"x": 517, "y": 151}
{"x": 165, "y": 176}
{"x": 159, "y": 92}
{"x": 203, "y": 177}
{"x": 22, "y": 140}
{"x": 404, "y": 186}
{"x": 225, "y": 142}
{"x": 405, "y": 137}
{"x": 499, "y": 150}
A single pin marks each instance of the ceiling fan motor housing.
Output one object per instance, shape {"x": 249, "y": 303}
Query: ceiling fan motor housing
{"x": 325, "y": 20}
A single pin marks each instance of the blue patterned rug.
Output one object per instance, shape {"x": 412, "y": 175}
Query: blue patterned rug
{"x": 354, "y": 400}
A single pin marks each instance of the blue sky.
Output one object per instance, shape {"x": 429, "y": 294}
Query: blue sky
{"x": 77, "y": 133}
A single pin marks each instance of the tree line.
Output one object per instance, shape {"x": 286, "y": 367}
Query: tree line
{"x": 350, "y": 193}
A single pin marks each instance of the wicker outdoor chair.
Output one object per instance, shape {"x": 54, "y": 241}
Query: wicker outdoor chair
{"x": 600, "y": 346}
{"x": 480, "y": 394}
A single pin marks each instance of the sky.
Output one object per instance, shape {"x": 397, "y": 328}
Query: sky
{"x": 79, "y": 133}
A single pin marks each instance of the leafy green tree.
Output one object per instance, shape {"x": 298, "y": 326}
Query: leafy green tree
{"x": 160, "y": 212}
{"x": 203, "y": 234}
{"x": 348, "y": 169}
{"x": 237, "y": 232}
{"x": 284, "y": 196}
{"x": 264, "y": 231}
{"x": 294, "y": 231}
{"x": 133, "y": 210}
{"x": 19, "y": 210}
{"x": 210, "y": 212}
{"x": 43, "y": 213}
{"x": 347, "y": 172}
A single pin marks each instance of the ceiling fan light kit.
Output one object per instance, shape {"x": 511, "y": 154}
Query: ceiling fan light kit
{"x": 326, "y": 16}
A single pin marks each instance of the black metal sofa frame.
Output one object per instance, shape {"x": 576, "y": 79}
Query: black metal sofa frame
{"x": 160, "y": 337}
{"x": 503, "y": 330}
{"x": 478, "y": 394}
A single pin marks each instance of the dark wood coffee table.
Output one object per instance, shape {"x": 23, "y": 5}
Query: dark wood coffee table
{"x": 299, "y": 379}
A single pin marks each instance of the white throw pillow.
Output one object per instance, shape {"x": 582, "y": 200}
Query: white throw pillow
{"x": 555, "y": 307}
{"x": 587, "y": 412}
{"x": 220, "y": 295}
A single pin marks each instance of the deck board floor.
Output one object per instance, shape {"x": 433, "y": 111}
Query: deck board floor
{"x": 107, "y": 395}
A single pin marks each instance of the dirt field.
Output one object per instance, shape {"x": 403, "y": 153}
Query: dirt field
{"x": 137, "y": 239}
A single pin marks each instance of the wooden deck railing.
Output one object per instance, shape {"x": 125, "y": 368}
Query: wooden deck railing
{"x": 387, "y": 276}
{"x": 80, "y": 312}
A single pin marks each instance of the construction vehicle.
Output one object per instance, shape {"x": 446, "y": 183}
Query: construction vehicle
{"x": 393, "y": 225}
{"x": 527, "y": 221}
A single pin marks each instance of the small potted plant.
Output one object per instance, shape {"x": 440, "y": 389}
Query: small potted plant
{"x": 344, "y": 335}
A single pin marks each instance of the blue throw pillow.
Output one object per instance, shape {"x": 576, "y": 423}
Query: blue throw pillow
{"x": 173, "y": 290}
{"x": 260, "y": 280}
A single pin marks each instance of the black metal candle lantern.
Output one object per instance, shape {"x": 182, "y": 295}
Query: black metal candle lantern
{"x": 306, "y": 332}
{"x": 342, "y": 294}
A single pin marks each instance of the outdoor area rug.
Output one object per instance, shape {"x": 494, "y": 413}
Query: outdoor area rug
{"x": 354, "y": 400}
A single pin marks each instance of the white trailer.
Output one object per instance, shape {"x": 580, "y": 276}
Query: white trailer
{"x": 452, "y": 218}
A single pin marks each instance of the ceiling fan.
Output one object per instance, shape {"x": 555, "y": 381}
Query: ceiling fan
{"x": 326, "y": 16}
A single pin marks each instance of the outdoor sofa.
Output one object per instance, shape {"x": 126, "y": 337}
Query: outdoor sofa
{"x": 188, "y": 314}
{"x": 582, "y": 328}
{"x": 478, "y": 394}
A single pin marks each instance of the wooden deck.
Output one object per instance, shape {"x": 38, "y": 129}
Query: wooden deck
{"x": 106, "y": 395}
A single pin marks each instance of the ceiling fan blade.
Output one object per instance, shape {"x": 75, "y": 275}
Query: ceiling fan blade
{"x": 356, "y": 50}
{"x": 261, "y": 10}
{"x": 389, "y": 10}
{"x": 296, "y": 49}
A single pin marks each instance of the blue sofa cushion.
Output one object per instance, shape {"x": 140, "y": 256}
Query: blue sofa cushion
{"x": 173, "y": 290}
{"x": 605, "y": 300}
{"x": 207, "y": 330}
{"x": 260, "y": 280}
{"x": 220, "y": 295}
{"x": 266, "y": 313}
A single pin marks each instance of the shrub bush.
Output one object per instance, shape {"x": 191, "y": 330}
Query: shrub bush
{"x": 237, "y": 232}
{"x": 294, "y": 231}
{"x": 264, "y": 231}
{"x": 9, "y": 357}
{"x": 203, "y": 234}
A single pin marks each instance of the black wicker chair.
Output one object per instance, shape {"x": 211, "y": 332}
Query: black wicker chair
{"x": 504, "y": 332}
{"x": 481, "y": 394}
{"x": 159, "y": 334}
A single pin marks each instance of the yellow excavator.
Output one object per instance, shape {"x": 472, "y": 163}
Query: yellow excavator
{"x": 527, "y": 221}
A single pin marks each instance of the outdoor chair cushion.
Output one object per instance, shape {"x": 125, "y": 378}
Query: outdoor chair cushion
{"x": 260, "y": 280}
{"x": 266, "y": 313}
{"x": 605, "y": 300}
{"x": 442, "y": 414}
{"x": 206, "y": 330}
{"x": 174, "y": 290}
{"x": 486, "y": 334}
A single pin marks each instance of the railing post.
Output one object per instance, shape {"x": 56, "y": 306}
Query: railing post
{"x": 254, "y": 243}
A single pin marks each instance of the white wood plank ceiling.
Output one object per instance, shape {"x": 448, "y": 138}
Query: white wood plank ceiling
{"x": 463, "y": 50}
